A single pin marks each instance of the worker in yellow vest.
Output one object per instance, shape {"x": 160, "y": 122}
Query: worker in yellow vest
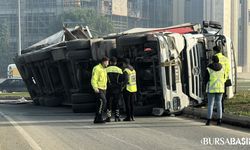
{"x": 223, "y": 60}
{"x": 99, "y": 84}
{"x": 130, "y": 89}
{"x": 215, "y": 78}
{"x": 114, "y": 90}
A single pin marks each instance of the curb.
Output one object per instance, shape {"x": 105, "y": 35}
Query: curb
{"x": 20, "y": 101}
{"x": 13, "y": 98}
{"x": 241, "y": 121}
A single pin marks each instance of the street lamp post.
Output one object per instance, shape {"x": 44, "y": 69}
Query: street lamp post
{"x": 19, "y": 28}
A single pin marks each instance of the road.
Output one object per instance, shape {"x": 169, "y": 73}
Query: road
{"x": 28, "y": 127}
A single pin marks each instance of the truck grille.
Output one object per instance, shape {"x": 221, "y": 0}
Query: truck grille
{"x": 196, "y": 81}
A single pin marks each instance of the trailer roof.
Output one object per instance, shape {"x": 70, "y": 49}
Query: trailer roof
{"x": 183, "y": 28}
{"x": 64, "y": 35}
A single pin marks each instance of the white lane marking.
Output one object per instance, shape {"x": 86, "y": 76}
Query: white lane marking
{"x": 26, "y": 136}
{"x": 51, "y": 121}
{"x": 118, "y": 139}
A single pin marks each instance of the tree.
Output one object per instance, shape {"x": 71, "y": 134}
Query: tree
{"x": 5, "y": 54}
{"x": 99, "y": 25}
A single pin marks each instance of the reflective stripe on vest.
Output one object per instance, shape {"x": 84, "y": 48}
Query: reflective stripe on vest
{"x": 114, "y": 69}
{"x": 131, "y": 86}
{"x": 216, "y": 81}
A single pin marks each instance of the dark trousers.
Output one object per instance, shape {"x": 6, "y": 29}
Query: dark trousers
{"x": 129, "y": 99}
{"x": 223, "y": 99}
{"x": 113, "y": 98}
{"x": 100, "y": 102}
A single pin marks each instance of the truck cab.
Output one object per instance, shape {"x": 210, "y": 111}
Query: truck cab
{"x": 171, "y": 66}
{"x": 155, "y": 57}
{"x": 197, "y": 56}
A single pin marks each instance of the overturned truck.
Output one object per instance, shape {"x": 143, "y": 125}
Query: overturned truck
{"x": 170, "y": 64}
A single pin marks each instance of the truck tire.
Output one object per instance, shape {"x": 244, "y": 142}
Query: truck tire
{"x": 87, "y": 88}
{"x": 143, "y": 110}
{"x": 52, "y": 101}
{"x": 36, "y": 101}
{"x": 84, "y": 108}
{"x": 24, "y": 72}
{"x": 41, "y": 101}
{"x": 76, "y": 55}
{"x": 78, "y": 44}
{"x": 82, "y": 98}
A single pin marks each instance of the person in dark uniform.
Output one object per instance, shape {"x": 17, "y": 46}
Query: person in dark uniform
{"x": 114, "y": 89}
{"x": 129, "y": 89}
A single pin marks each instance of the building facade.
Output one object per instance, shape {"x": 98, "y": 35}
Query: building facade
{"x": 37, "y": 17}
{"x": 244, "y": 36}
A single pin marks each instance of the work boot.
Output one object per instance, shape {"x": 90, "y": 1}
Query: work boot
{"x": 208, "y": 122}
{"x": 127, "y": 119}
{"x": 218, "y": 122}
{"x": 117, "y": 115}
{"x": 109, "y": 113}
{"x": 132, "y": 118}
{"x": 108, "y": 119}
{"x": 98, "y": 119}
{"x": 117, "y": 118}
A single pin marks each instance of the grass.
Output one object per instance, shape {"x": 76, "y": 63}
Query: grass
{"x": 15, "y": 94}
{"x": 239, "y": 105}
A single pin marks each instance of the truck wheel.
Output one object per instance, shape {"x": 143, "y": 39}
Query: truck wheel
{"x": 87, "y": 88}
{"x": 143, "y": 110}
{"x": 36, "y": 101}
{"x": 25, "y": 72}
{"x": 52, "y": 101}
{"x": 84, "y": 108}
{"x": 41, "y": 101}
{"x": 81, "y": 98}
{"x": 78, "y": 44}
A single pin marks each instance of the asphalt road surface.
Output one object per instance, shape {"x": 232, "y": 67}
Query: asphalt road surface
{"x": 28, "y": 127}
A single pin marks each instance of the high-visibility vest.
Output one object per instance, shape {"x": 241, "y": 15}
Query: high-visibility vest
{"x": 114, "y": 79}
{"x": 223, "y": 60}
{"x": 99, "y": 77}
{"x": 216, "y": 81}
{"x": 131, "y": 85}
{"x": 114, "y": 69}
